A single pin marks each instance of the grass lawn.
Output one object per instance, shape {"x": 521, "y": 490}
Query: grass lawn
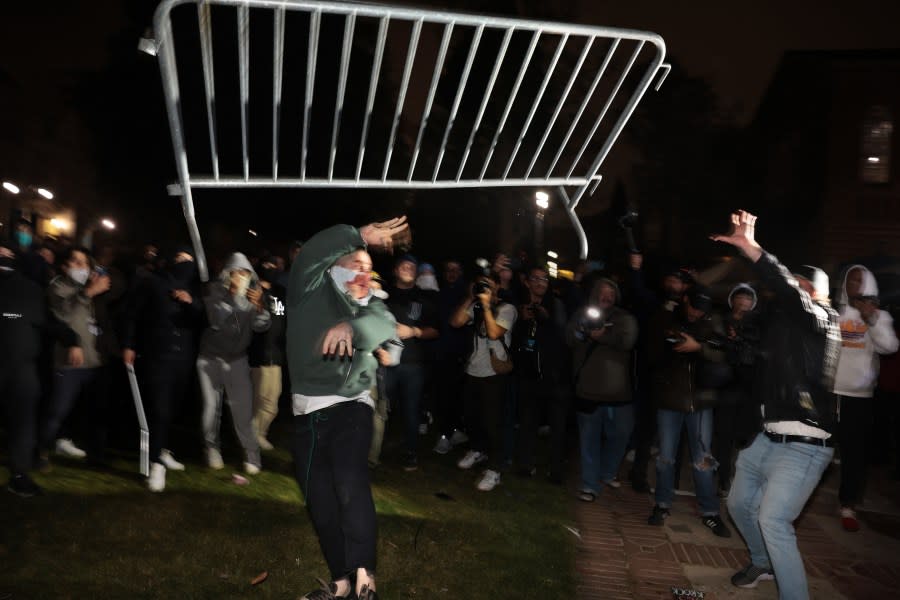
{"x": 100, "y": 534}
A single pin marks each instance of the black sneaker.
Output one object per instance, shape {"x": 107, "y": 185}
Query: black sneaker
{"x": 751, "y": 575}
{"x": 659, "y": 515}
{"x": 410, "y": 462}
{"x": 22, "y": 485}
{"x": 716, "y": 525}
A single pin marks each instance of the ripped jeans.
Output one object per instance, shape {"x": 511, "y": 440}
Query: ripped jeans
{"x": 699, "y": 427}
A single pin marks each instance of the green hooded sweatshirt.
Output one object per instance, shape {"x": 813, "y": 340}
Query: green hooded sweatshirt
{"x": 315, "y": 305}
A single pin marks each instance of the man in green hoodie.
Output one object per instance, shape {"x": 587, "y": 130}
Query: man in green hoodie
{"x": 336, "y": 328}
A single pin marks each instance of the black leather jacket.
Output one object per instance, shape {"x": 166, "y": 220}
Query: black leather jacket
{"x": 798, "y": 352}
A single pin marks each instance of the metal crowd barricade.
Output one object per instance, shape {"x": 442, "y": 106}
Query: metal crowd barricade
{"x": 566, "y": 92}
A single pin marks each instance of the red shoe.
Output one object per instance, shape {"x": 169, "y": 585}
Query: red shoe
{"x": 848, "y": 520}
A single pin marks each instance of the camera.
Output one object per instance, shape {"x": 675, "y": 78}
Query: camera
{"x": 480, "y": 287}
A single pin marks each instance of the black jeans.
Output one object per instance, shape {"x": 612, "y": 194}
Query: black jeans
{"x": 854, "y": 428}
{"x": 20, "y": 391}
{"x": 330, "y": 450}
{"x": 484, "y": 399}
{"x": 534, "y": 395}
{"x": 164, "y": 384}
{"x": 448, "y": 376}
{"x": 736, "y": 425}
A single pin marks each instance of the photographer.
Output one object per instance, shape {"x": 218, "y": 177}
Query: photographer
{"x": 235, "y": 311}
{"x": 484, "y": 387}
{"x": 685, "y": 356}
{"x": 602, "y": 336}
{"x": 540, "y": 356}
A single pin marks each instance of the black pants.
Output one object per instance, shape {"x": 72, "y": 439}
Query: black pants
{"x": 448, "y": 376}
{"x": 644, "y": 426}
{"x": 484, "y": 399}
{"x": 164, "y": 385}
{"x": 20, "y": 391}
{"x": 535, "y": 395}
{"x": 854, "y": 427}
{"x": 330, "y": 450}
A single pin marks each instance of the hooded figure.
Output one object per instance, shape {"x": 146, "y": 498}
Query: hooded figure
{"x": 866, "y": 331}
{"x": 235, "y": 311}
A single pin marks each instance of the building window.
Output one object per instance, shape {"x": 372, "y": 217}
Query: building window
{"x": 875, "y": 151}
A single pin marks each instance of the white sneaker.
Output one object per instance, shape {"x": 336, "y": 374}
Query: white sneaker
{"x": 168, "y": 459}
{"x": 472, "y": 458}
{"x": 264, "y": 444}
{"x": 251, "y": 469}
{"x": 613, "y": 483}
{"x": 214, "y": 459}
{"x": 65, "y": 447}
{"x": 489, "y": 481}
{"x": 443, "y": 445}
{"x": 458, "y": 438}
{"x": 157, "y": 480}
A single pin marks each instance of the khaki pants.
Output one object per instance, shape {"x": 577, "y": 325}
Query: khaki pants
{"x": 266, "y": 391}
{"x": 379, "y": 418}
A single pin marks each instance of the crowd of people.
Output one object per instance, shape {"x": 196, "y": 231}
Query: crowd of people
{"x": 483, "y": 360}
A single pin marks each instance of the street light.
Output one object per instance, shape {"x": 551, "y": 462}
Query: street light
{"x": 11, "y": 187}
{"x": 109, "y": 224}
{"x": 45, "y": 193}
{"x": 542, "y": 200}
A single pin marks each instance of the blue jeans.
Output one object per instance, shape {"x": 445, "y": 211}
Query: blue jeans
{"x": 405, "y": 385}
{"x": 600, "y": 458}
{"x": 771, "y": 485}
{"x": 699, "y": 427}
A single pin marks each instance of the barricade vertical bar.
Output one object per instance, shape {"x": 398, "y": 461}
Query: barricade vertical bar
{"x": 206, "y": 52}
{"x": 277, "y": 76}
{"x": 584, "y": 103}
{"x": 349, "y": 23}
{"x": 244, "y": 70}
{"x": 473, "y": 50}
{"x": 487, "y": 96}
{"x": 537, "y": 102}
{"x": 512, "y": 97}
{"x": 435, "y": 77}
{"x": 576, "y": 224}
{"x": 373, "y": 85}
{"x": 314, "y": 22}
{"x": 562, "y": 100}
{"x": 606, "y": 106}
{"x": 404, "y": 85}
{"x": 169, "y": 74}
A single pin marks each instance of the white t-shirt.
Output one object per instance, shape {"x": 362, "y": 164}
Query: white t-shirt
{"x": 479, "y": 364}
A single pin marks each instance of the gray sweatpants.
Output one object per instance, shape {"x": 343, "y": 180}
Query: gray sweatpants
{"x": 231, "y": 378}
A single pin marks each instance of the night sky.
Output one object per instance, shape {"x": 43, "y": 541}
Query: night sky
{"x": 82, "y": 111}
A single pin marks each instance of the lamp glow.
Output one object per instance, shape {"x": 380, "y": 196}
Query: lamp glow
{"x": 542, "y": 200}
{"x": 45, "y": 193}
{"x": 109, "y": 224}
{"x": 10, "y": 187}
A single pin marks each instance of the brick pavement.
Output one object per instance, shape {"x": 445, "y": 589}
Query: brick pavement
{"x": 621, "y": 557}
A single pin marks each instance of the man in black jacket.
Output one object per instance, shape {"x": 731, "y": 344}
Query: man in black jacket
{"x": 778, "y": 472}
{"x": 23, "y": 320}
{"x": 162, "y": 319}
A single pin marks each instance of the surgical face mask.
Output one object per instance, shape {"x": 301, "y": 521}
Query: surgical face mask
{"x": 427, "y": 282}
{"x": 80, "y": 276}
{"x": 342, "y": 277}
{"x": 243, "y": 282}
{"x": 23, "y": 238}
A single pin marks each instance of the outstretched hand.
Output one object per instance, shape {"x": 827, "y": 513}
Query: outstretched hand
{"x": 742, "y": 235}
{"x": 381, "y": 235}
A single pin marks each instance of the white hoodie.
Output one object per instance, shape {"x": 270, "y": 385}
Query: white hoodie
{"x": 858, "y": 364}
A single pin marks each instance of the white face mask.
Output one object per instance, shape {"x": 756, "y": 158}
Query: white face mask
{"x": 343, "y": 276}
{"x": 427, "y": 282}
{"x": 80, "y": 276}
{"x": 243, "y": 282}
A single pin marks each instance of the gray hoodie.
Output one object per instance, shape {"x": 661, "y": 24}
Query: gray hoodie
{"x": 232, "y": 319}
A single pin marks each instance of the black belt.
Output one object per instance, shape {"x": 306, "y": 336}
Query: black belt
{"x": 783, "y": 438}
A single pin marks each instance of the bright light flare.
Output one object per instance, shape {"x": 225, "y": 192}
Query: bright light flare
{"x": 592, "y": 313}
{"x": 60, "y": 224}
{"x": 552, "y": 254}
{"x": 45, "y": 193}
{"x": 10, "y": 187}
{"x": 251, "y": 232}
{"x": 872, "y": 159}
{"x": 108, "y": 223}
{"x": 542, "y": 200}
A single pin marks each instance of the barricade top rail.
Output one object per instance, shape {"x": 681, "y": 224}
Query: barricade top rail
{"x": 355, "y": 95}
